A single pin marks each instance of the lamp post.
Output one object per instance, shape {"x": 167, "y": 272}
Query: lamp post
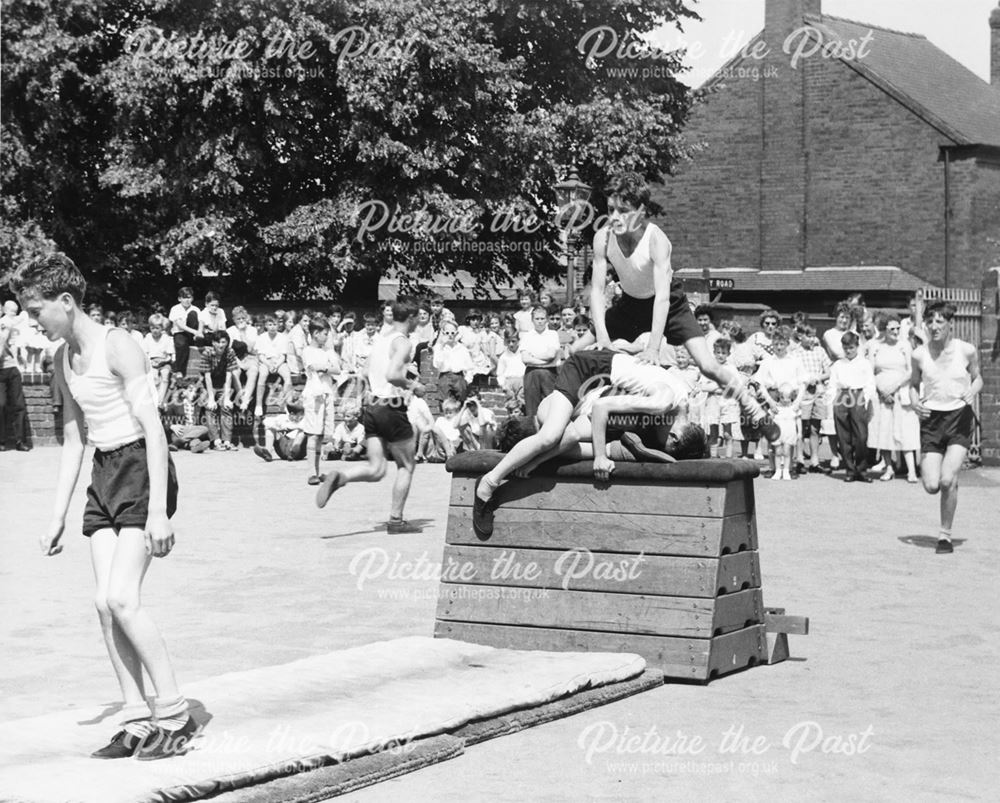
{"x": 571, "y": 191}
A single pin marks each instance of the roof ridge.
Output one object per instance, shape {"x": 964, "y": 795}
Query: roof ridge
{"x": 823, "y": 17}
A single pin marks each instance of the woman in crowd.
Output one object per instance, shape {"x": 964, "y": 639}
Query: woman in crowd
{"x": 894, "y": 426}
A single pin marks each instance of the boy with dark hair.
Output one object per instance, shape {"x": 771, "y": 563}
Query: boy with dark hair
{"x": 948, "y": 369}
{"x": 652, "y": 298}
{"x": 184, "y": 318}
{"x": 271, "y": 349}
{"x": 385, "y": 419}
{"x": 220, "y": 367}
{"x": 853, "y": 393}
{"x": 108, "y": 389}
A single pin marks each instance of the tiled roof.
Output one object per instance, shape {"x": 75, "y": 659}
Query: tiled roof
{"x": 862, "y": 278}
{"x": 925, "y": 78}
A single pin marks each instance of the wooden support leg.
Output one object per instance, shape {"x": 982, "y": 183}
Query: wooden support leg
{"x": 778, "y": 626}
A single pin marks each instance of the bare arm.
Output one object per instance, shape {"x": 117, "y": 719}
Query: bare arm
{"x": 659, "y": 403}
{"x": 399, "y": 359}
{"x": 663, "y": 274}
{"x": 70, "y": 459}
{"x": 977, "y": 377}
{"x": 126, "y": 360}
{"x": 597, "y": 284}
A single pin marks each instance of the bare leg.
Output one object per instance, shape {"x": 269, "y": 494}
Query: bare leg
{"x": 124, "y": 584}
{"x": 124, "y": 659}
{"x": 402, "y": 453}
{"x": 951, "y": 465}
{"x": 557, "y": 411}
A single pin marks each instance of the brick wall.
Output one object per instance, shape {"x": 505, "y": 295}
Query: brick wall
{"x": 873, "y": 191}
{"x": 44, "y": 427}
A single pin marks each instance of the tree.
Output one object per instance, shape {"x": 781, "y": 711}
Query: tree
{"x": 292, "y": 146}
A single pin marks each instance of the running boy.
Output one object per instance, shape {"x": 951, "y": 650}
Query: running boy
{"x": 949, "y": 370}
{"x": 386, "y": 424}
{"x": 108, "y": 387}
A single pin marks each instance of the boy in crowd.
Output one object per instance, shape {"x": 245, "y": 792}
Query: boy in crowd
{"x": 242, "y": 331}
{"x": 437, "y": 309}
{"x": 453, "y": 363}
{"x": 948, "y": 369}
{"x": 13, "y": 405}
{"x": 186, "y": 327}
{"x": 522, "y": 318}
{"x": 853, "y": 393}
{"x": 385, "y": 421}
{"x": 446, "y": 435}
{"x": 212, "y": 317}
{"x": 159, "y": 351}
{"x": 349, "y": 436}
{"x": 565, "y": 333}
{"x": 816, "y": 366}
{"x": 422, "y": 420}
{"x": 364, "y": 342}
{"x": 476, "y": 424}
{"x": 108, "y": 391}
{"x": 319, "y": 395}
{"x": 220, "y": 368}
{"x": 283, "y": 435}
{"x": 539, "y": 350}
{"x": 272, "y": 354}
{"x": 188, "y": 433}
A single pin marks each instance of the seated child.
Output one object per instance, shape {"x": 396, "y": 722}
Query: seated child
{"x": 422, "y": 421}
{"x": 348, "y": 437}
{"x": 447, "y": 437}
{"x": 284, "y": 435}
{"x": 189, "y": 433}
{"x": 477, "y": 425}
{"x": 159, "y": 348}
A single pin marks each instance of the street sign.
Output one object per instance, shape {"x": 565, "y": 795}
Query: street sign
{"x": 721, "y": 284}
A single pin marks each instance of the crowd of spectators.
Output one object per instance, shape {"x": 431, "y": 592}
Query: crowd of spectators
{"x": 846, "y": 384}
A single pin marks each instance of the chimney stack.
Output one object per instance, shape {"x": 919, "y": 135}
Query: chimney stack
{"x": 995, "y": 46}
{"x": 783, "y": 168}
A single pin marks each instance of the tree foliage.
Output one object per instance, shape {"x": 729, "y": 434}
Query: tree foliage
{"x": 157, "y": 141}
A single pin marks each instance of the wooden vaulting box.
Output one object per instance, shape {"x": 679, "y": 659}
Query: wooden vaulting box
{"x": 662, "y": 562}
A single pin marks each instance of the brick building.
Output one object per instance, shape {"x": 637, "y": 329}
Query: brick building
{"x": 839, "y": 156}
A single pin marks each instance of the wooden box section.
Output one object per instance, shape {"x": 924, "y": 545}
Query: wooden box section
{"x": 661, "y": 562}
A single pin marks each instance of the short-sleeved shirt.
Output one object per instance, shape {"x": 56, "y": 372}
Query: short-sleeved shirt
{"x": 187, "y": 317}
{"x": 272, "y": 350}
{"x": 212, "y": 321}
{"x": 218, "y": 365}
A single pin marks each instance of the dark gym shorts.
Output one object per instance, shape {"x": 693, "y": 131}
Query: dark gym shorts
{"x": 118, "y": 495}
{"x": 583, "y": 369}
{"x": 944, "y": 428}
{"x": 386, "y": 418}
{"x": 630, "y": 317}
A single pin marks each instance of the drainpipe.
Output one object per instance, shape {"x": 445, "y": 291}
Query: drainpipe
{"x": 947, "y": 214}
